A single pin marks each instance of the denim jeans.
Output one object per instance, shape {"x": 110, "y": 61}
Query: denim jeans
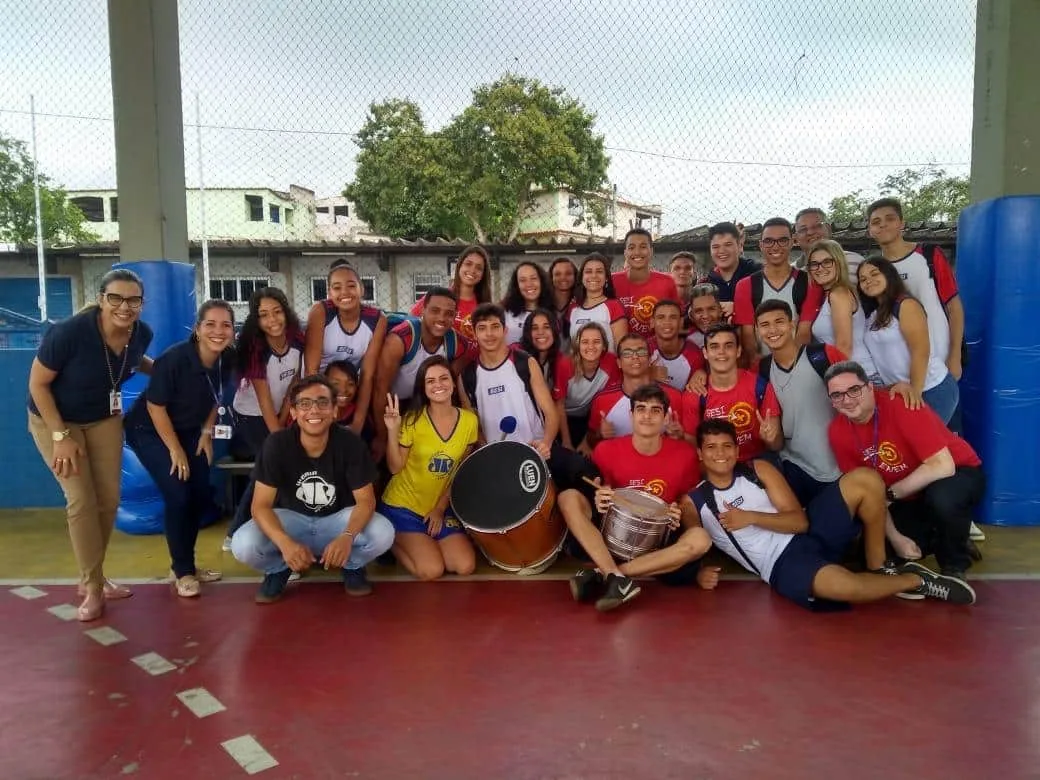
{"x": 253, "y": 432}
{"x": 945, "y": 401}
{"x": 251, "y": 546}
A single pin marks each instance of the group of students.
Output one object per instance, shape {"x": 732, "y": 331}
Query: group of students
{"x": 730, "y": 397}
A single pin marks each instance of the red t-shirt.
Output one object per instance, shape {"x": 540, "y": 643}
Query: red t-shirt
{"x": 463, "y": 315}
{"x": 639, "y": 299}
{"x": 744, "y": 306}
{"x": 614, "y": 405}
{"x": 738, "y": 405}
{"x": 904, "y": 439}
{"x": 668, "y": 474}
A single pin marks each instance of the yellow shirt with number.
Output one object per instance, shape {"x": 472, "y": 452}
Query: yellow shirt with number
{"x": 431, "y": 462}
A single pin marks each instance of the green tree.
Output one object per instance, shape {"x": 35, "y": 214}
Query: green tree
{"x": 479, "y": 176}
{"x": 927, "y": 194}
{"x": 62, "y": 221}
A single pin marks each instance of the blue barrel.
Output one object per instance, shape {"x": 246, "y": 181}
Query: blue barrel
{"x": 998, "y": 272}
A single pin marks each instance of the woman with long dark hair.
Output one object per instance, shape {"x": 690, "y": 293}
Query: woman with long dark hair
{"x": 586, "y": 369}
{"x": 540, "y": 338}
{"x": 596, "y": 301}
{"x": 529, "y": 289}
{"x": 171, "y": 428}
{"x": 471, "y": 283}
{"x": 897, "y": 340}
{"x": 75, "y": 418}
{"x": 425, "y": 445}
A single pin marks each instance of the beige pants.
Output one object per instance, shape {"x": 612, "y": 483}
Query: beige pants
{"x": 92, "y": 495}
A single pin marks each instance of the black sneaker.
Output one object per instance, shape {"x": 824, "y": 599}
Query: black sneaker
{"x": 356, "y": 583}
{"x": 585, "y": 583}
{"x": 619, "y": 590}
{"x": 939, "y": 586}
{"x": 891, "y": 568}
{"x": 273, "y": 586}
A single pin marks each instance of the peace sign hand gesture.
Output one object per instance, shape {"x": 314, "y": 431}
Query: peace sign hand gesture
{"x": 392, "y": 414}
{"x": 768, "y": 426}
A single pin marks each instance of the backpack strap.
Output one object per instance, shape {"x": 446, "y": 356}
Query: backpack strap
{"x": 928, "y": 251}
{"x": 818, "y": 358}
{"x": 800, "y": 291}
{"x": 765, "y": 363}
{"x": 469, "y": 382}
{"x": 522, "y": 364}
{"x": 704, "y": 496}
{"x": 761, "y": 386}
{"x": 757, "y": 288}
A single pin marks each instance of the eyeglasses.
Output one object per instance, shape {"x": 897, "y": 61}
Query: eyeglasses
{"x": 306, "y": 404}
{"x": 768, "y": 242}
{"x": 853, "y": 392}
{"x": 814, "y": 265}
{"x": 631, "y": 353}
{"x": 134, "y": 302}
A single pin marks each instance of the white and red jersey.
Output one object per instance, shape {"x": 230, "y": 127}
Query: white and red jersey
{"x": 680, "y": 366}
{"x": 751, "y": 393}
{"x": 606, "y": 313}
{"x": 463, "y": 315}
{"x": 639, "y": 299}
{"x": 933, "y": 291}
{"x": 502, "y": 391}
{"x": 614, "y": 406}
{"x": 340, "y": 344}
{"x": 578, "y": 390}
{"x": 896, "y": 440}
{"x": 669, "y": 473}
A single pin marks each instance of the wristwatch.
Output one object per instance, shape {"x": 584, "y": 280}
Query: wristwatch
{"x": 57, "y": 436}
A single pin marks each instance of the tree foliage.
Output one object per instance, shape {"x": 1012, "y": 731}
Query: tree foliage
{"x": 62, "y": 221}
{"x": 927, "y": 194}
{"x": 478, "y": 177}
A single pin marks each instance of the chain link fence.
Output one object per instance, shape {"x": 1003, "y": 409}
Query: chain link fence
{"x": 743, "y": 110}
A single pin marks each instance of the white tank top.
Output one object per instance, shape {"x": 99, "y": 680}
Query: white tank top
{"x": 280, "y": 372}
{"x": 515, "y": 326}
{"x": 891, "y": 354}
{"x": 339, "y": 344}
{"x": 501, "y": 393}
{"x": 762, "y": 545}
{"x": 404, "y": 382}
{"x": 823, "y": 330}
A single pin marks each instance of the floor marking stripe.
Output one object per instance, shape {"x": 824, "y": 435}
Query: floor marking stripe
{"x": 249, "y": 754}
{"x": 201, "y": 702}
{"x": 28, "y": 592}
{"x": 153, "y": 663}
{"x": 105, "y": 636}
{"x": 64, "y": 611}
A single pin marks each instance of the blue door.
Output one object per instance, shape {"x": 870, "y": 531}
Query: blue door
{"x": 22, "y": 294}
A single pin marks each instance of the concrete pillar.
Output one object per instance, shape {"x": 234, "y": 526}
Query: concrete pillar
{"x": 144, "y": 47}
{"x": 1005, "y": 143}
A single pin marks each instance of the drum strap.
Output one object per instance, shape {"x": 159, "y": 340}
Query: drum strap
{"x": 705, "y": 496}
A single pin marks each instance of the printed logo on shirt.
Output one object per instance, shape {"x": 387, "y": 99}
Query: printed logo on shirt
{"x": 655, "y": 487}
{"x": 287, "y": 374}
{"x": 496, "y": 389}
{"x": 440, "y": 464}
{"x": 314, "y": 492}
{"x": 466, "y": 327}
{"x": 886, "y": 457}
{"x": 643, "y": 309}
{"x": 345, "y": 349}
{"x": 742, "y": 415}
{"x": 736, "y": 502}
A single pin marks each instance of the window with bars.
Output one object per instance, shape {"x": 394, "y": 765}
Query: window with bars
{"x": 423, "y": 283}
{"x": 254, "y": 208}
{"x": 237, "y": 290}
{"x": 320, "y": 289}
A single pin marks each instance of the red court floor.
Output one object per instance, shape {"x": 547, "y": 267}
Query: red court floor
{"x": 514, "y": 680}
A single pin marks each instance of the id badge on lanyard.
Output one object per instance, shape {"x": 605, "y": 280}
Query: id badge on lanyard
{"x": 115, "y": 402}
{"x": 221, "y": 430}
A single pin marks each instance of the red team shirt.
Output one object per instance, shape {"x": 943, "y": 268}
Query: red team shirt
{"x": 639, "y": 299}
{"x": 669, "y": 474}
{"x": 904, "y": 440}
{"x": 738, "y": 405}
{"x": 744, "y": 309}
{"x": 463, "y": 316}
{"x": 616, "y": 407}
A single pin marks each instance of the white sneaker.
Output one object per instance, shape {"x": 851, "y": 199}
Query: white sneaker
{"x": 295, "y": 577}
{"x": 976, "y": 534}
{"x": 226, "y": 546}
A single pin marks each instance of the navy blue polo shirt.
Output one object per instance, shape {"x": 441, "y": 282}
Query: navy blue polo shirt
{"x": 75, "y": 349}
{"x": 187, "y": 389}
{"x": 727, "y": 290}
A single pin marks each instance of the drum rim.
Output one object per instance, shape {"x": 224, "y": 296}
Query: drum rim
{"x": 643, "y": 494}
{"x": 538, "y": 508}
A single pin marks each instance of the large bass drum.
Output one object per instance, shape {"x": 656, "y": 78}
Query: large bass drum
{"x": 504, "y": 497}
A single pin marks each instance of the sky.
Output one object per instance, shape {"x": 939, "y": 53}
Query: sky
{"x": 747, "y": 109}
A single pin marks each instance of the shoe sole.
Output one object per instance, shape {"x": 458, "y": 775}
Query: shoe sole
{"x": 268, "y": 599}
{"x": 605, "y": 605}
{"x": 580, "y": 597}
{"x": 953, "y": 583}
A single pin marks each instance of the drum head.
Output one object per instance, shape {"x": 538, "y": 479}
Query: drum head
{"x": 499, "y": 486}
{"x": 640, "y": 503}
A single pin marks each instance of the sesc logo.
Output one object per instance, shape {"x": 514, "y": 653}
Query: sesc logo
{"x": 530, "y": 476}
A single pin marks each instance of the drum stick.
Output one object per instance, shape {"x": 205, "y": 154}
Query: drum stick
{"x": 592, "y": 482}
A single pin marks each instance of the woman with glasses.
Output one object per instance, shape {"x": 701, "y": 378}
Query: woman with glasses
{"x": 898, "y": 342}
{"x": 840, "y": 321}
{"x": 425, "y": 445}
{"x": 75, "y": 418}
{"x": 171, "y": 428}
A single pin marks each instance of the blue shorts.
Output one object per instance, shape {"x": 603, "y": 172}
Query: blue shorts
{"x": 805, "y": 487}
{"x": 405, "y": 521}
{"x": 831, "y": 530}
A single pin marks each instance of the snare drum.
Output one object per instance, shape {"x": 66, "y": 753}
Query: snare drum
{"x": 636, "y": 523}
{"x": 504, "y": 497}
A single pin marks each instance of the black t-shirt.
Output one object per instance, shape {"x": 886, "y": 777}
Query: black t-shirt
{"x": 75, "y": 349}
{"x": 315, "y": 486}
{"x": 188, "y": 390}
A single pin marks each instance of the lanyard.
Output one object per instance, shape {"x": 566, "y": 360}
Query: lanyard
{"x": 877, "y": 443}
{"x": 213, "y": 390}
{"x": 114, "y": 379}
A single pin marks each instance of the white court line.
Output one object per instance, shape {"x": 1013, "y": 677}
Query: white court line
{"x": 28, "y": 592}
{"x": 105, "y": 636}
{"x": 153, "y": 663}
{"x": 201, "y": 702}
{"x": 249, "y": 754}
{"x": 64, "y": 611}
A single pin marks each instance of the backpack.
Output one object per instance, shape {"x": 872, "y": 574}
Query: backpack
{"x": 761, "y": 385}
{"x": 818, "y": 359}
{"x": 704, "y": 496}
{"x": 928, "y": 252}
{"x": 798, "y": 294}
{"x": 411, "y": 335}
{"x": 523, "y": 370}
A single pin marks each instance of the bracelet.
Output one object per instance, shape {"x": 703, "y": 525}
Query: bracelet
{"x": 351, "y": 534}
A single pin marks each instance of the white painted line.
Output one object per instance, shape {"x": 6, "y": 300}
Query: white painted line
{"x": 201, "y": 702}
{"x": 105, "y": 636}
{"x": 249, "y": 754}
{"x": 153, "y": 663}
{"x": 64, "y": 611}
{"x": 28, "y": 592}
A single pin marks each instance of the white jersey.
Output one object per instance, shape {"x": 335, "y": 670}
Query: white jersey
{"x": 515, "y": 326}
{"x": 891, "y": 354}
{"x": 606, "y": 313}
{"x": 501, "y": 393}
{"x": 823, "y": 330}
{"x": 341, "y": 344}
{"x": 404, "y": 382}
{"x": 919, "y": 283}
{"x": 280, "y": 371}
{"x": 761, "y": 545}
